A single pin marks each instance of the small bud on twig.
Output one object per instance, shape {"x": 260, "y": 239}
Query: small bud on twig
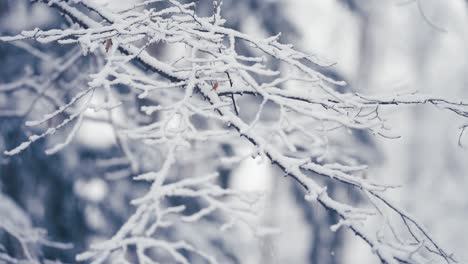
{"x": 108, "y": 45}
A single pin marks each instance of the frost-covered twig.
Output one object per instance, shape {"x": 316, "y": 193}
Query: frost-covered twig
{"x": 190, "y": 101}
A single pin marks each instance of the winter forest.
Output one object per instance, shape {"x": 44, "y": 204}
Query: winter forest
{"x": 234, "y": 131}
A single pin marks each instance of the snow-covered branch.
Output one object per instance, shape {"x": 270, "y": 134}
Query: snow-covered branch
{"x": 188, "y": 101}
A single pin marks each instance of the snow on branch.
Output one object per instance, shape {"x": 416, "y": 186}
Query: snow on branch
{"x": 192, "y": 101}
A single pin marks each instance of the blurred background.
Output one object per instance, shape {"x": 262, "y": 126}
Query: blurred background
{"x": 375, "y": 46}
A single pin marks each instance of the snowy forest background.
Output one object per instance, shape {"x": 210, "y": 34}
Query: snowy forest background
{"x": 57, "y": 205}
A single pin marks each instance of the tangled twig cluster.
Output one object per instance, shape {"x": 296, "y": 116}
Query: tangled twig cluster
{"x": 184, "y": 103}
